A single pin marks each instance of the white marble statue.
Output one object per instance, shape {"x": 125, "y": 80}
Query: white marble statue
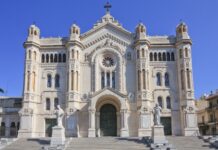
{"x": 60, "y": 114}
{"x": 157, "y": 112}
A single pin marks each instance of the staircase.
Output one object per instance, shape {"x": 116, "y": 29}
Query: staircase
{"x": 110, "y": 143}
{"x": 106, "y": 143}
{"x": 28, "y": 144}
{"x": 189, "y": 143}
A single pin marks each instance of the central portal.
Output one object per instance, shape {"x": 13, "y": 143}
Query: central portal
{"x": 108, "y": 120}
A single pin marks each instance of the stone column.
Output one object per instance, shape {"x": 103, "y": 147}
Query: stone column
{"x": 91, "y": 132}
{"x": 118, "y": 123}
{"x": 111, "y": 79}
{"x": 105, "y": 79}
{"x": 124, "y": 123}
{"x": 98, "y": 123}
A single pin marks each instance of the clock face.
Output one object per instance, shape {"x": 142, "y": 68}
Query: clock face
{"x": 108, "y": 62}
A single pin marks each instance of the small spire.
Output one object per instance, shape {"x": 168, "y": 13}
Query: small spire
{"x": 107, "y": 6}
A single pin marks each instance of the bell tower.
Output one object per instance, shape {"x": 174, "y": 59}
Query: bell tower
{"x": 31, "y": 78}
{"x": 142, "y": 45}
{"x": 73, "y": 94}
{"x": 185, "y": 79}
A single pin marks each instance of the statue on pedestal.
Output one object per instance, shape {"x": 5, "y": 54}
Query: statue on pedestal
{"x": 60, "y": 114}
{"x": 157, "y": 111}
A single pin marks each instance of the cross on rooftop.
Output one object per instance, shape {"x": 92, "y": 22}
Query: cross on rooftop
{"x": 107, "y": 6}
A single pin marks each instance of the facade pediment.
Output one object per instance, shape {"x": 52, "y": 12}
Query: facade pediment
{"x": 108, "y": 91}
{"x": 108, "y": 35}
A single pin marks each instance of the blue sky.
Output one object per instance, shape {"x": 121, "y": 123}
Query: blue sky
{"x": 54, "y": 18}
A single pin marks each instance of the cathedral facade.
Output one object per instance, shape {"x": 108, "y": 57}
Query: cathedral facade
{"x": 108, "y": 80}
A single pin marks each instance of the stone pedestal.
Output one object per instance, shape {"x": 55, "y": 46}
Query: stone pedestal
{"x": 124, "y": 133}
{"x": 158, "y": 136}
{"x": 91, "y": 133}
{"x": 58, "y": 136}
{"x": 191, "y": 132}
{"x": 144, "y": 132}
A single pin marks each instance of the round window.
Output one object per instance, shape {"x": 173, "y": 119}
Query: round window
{"x": 108, "y": 62}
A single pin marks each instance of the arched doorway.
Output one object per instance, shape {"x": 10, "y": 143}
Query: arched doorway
{"x": 108, "y": 120}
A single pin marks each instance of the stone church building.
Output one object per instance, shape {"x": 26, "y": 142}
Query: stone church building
{"x": 107, "y": 80}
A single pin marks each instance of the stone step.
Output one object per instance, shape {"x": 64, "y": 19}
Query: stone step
{"x": 30, "y": 143}
{"x": 106, "y": 143}
{"x": 189, "y": 143}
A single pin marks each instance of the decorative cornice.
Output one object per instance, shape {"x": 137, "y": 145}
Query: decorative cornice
{"x": 184, "y": 41}
{"x": 75, "y": 42}
{"x": 31, "y": 43}
{"x": 141, "y": 42}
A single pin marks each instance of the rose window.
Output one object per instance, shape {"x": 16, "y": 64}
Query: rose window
{"x": 108, "y": 62}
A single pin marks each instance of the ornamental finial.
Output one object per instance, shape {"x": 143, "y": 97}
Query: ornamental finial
{"x": 107, "y": 6}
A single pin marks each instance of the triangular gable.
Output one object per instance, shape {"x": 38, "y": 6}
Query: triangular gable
{"x": 108, "y": 91}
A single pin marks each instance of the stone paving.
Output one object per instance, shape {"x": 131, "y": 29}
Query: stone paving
{"x": 110, "y": 143}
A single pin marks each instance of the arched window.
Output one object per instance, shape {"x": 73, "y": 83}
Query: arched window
{"x": 43, "y": 58}
{"x": 77, "y": 80}
{"x": 56, "y": 103}
{"x": 34, "y": 53}
{"x": 164, "y": 56}
{"x": 72, "y": 53}
{"x": 180, "y": 53}
{"x": 158, "y": 79}
{"x": 188, "y": 78}
{"x": 172, "y": 56}
{"x": 47, "y": 58}
{"x": 143, "y": 53}
{"x": 34, "y": 81}
{"x": 167, "y": 80}
{"x": 51, "y": 58}
{"x": 138, "y": 55}
{"x": 129, "y": 56}
{"x": 182, "y": 80}
{"x": 159, "y": 57}
{"x": 160, "y": 101}
{"x": 28, "y": 80}
{"x": 64, "y": 57}
{"x": 30, "y": 54}
{"x": 155, "y": 56}
{"x": 151, "y": 56}
{"x": 168, "y": 101}
{"x": 143, "y": 78}
{"x": 49, "y": 81}
{"x": 77, "y": 54}
{"x": 59, "y": 58}
{"x": 113, "y": 80}
{"x": 186, "y": 52}
{"x": 56, "y": 58}
{"x": 72, "y": 80}
{"x": 102, "y": 80}
{"x": 108, "y": 79}
{"x": 139, "y": 80}
{"x": 48, "y": 104}
{"x": 57, "y": 81}
{"x": 168, "y": 56}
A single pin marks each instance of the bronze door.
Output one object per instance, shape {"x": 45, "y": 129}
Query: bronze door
{"x": 49, "y": 123}
{"x": 108, "y": 120}
{"x": 166, "y": 122}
